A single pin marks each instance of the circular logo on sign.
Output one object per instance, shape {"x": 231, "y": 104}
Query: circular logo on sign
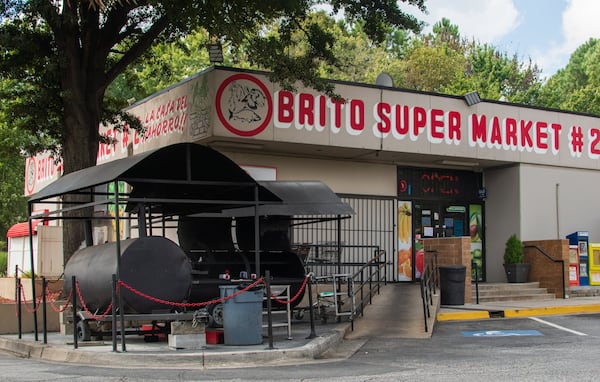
{"x": 30, "y": 174}
{"x": 244, "y": 105}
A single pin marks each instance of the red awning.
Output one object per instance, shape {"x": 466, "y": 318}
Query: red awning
{"x": 22, "y": 229}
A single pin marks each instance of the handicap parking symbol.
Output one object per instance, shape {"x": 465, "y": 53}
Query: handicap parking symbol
{"x": 502, "y": 333}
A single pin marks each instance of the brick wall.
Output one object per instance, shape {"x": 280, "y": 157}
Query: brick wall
{"x": 453, "y": 251}
{"x": 550, "y": 274}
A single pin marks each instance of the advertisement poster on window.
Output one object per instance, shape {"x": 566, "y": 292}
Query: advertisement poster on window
{"x": 476, "y": 233}
{"x": 405, "y": 264}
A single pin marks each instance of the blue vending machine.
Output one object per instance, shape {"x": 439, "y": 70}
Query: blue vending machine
{"x": 581, "y": 240}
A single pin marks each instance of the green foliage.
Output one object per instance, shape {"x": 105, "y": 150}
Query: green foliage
{"x": 61, "y": 57}
{"x": 576, "y": 87}
{"x": 3, "y": 263}
{"x": 513, "y": 251}
{"x": 13, "y": 206}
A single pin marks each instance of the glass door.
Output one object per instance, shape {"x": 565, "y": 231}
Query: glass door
{"x": 432, "y": 219}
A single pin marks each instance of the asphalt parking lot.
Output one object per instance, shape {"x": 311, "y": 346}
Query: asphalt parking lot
{"x": 550, "y": 348}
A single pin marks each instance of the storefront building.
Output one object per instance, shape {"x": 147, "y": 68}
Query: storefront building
{"x": 413, "y": 165}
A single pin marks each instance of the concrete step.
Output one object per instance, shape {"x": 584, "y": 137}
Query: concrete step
{"x": 506, "y": 286}
{"x": 522, "y": 297}
{"x": 514, "y": 292}
{"x": 489, "y": 292}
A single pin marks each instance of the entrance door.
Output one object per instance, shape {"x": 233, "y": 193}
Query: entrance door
{"x": 447, "y": 219}
{"x": 434, "y": 219}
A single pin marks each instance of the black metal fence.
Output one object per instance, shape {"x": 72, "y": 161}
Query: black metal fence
{"x": 339, "y": 245}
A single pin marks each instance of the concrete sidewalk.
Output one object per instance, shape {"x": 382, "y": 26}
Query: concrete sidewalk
{"x": 526, "y": 308}
{"x": 141, "y": 354}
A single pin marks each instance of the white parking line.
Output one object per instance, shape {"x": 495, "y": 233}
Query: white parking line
{"x": 558, "y": 326}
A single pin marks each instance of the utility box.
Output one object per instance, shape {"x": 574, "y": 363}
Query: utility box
{"x": 581, "y": 240}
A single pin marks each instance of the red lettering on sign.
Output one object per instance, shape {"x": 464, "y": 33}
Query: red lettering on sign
{"x": 454, "y": 126}
{"x": 477, "y": 130}
{"x": 383, "y": 112}
{"x": 306, "y": 109}
{"x": 495, "y": 133}
{"x": 526, "y": 140}
{"x": 437, "y": 125}
{"x": 556, "y": 128}
{"x": 594, "y": 151}
{"x": 419, "y": 121}
{"x": 356, "y": 116}
{"x": 541, "y": 135}
{"x": 510, "y": 125}
{"x": 285, "y": 110}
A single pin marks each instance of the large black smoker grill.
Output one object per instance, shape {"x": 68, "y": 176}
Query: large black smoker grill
{"x": 200, "y": 192}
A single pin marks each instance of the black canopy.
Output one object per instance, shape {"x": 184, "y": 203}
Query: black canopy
{"x": 188, "y": 178}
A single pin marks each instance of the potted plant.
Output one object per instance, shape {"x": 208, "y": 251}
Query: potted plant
{"x": 517, "y": 271}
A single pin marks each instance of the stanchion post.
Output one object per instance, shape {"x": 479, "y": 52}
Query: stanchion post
{"x": 74, "y": 304}
{"x": 269, "y": 318}
{"x": 44, "y": 312}
{"x": 310, "y": 310}
{"x": 473, "y": 264}
{"x": 18, "y": 299}
{"x": 114, "y": 313}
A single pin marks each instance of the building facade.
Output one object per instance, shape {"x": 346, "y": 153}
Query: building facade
{"x": 413, "y": 165}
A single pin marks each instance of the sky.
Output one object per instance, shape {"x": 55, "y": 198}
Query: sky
{"x": 547, "y": 31}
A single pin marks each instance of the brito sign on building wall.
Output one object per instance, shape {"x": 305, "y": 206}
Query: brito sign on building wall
{"x": 222, "y": 103}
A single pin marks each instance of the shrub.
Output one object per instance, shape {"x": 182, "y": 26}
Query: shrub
{"x": 513, "y": 252}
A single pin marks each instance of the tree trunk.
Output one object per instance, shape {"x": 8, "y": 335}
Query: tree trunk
{"x": 80, "y": 148}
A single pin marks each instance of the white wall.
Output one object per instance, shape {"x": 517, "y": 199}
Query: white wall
{"x": 20, "y": 255}
{"x": 557, "y": 201}
{"x": 502, "y": 217}
{"x": 341, "y": 176}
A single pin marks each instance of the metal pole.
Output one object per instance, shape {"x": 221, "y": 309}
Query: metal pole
{"x": 114, "y": 312}
{"x": 44, "y": 313}
{"x": 557, "y": 211}
{"x": 74, "y": 304}
{"x": 33, "y": 295}
{"x": 312, "y": 334}
{"x": 118, "y": 249}
{"x": 18, "y": 299}
{"x": 339, "y": 245}
{"x": 256, "y": 233}
{"x": 473, "y": 264}
{"x": 269, "y": 317}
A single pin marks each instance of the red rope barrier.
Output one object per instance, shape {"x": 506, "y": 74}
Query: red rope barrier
{"x": 52, "y": 300}
{"x": 190, "y": 304}
{"x": 36, "y": 304}
{"x": 85, "y": 308}
{"x": 295, "y": 296}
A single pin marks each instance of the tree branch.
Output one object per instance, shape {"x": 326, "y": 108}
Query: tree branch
{"x": 138, "y": 48}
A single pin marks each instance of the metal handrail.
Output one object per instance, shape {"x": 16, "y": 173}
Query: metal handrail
{"x": 367, "y": 281}
{"x": 561, "y": 261}
{"x": 429, "y": 283}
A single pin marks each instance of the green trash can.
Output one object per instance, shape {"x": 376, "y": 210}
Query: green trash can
{"x": 242, "y": 315}
{"x": 452, "y": 284}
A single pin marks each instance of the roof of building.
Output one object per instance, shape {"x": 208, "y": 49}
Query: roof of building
{"x": 22, "y": 229}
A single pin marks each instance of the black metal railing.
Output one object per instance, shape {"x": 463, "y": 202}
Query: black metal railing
{"x": 369, "y": 278}
{"x": 561, "y": 261}
{"x": 332, "y": 258}
{"x": 429, "y": 282}
{"x": 363, "y": 282}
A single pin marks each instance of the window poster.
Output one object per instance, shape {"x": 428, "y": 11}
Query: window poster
{"x": 405, "y": 264}
{"x": 476, "y": 233}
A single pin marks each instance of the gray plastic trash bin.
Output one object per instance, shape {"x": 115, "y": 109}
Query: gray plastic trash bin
{"x": 452, "y": 284}
{"x": 242, "y": 316}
